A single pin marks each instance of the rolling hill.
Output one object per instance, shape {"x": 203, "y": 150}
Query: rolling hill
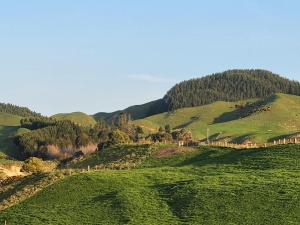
{"x": 203, "y": 186}
{"x": 231, "y": 85}
{"x": 79, "y": 118}
{"x": 259, "y": 120}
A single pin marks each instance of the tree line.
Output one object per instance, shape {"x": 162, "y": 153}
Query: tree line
{"x": 17, "y": 110}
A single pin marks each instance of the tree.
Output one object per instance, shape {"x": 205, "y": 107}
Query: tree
{"x": 139, "y": 132}
{"x": 113, "y": 138}
{"x": 182, "y": 135}
{"x": 33, "y": 165}
{"x": 168, "y": 128}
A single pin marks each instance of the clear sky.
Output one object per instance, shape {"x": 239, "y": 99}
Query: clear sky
{"x": 93, "y": 55}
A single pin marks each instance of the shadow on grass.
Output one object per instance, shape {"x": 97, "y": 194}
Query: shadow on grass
{"x": 247, "y": 158}
{"x": 30, "y": 180}
{"x": 284, "y": 136}
{"x": 191, "y": 121}
{"x": 7, "y": 145}
{"x": 244, "y": 111}
{"x": 178, "y": 204}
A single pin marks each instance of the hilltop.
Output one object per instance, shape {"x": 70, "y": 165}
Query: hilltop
{"x": 260, "y": 120}
{"x": 231, "y": 85}
{"x": 79, "y": 118}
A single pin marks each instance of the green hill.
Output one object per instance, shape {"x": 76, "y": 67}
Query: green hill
{"x": 204, "y": 186}
{"x": 261, "y": 121}
{"x": 9, "y": 124}
{"x": 76, "y": 117}
{"x": 231, "y": 85}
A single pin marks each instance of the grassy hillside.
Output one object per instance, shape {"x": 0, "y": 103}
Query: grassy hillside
{"x": 8, "y": 127}
{"x": 204, "y": 186}
{"x": 224, "y": 120}
{"x": 76, "y": 117}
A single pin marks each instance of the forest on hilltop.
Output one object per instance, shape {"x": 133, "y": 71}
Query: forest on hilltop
{"x": 17, "y": 110}
{"x": 231, "y": 85}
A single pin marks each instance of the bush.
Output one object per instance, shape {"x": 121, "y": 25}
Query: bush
{"x": 119, "y": 137}
{"x": 113, "y": 138}
{"x": 34, "y": 165}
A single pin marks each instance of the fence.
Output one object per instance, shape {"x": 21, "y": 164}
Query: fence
{"x": 249, "y": 144}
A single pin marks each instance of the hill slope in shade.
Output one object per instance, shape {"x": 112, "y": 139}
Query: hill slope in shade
{"x": 9, "y": 124}
{"x": 269, "y": 119}
{"x": 206, "y": 186}
{"x": 76, "y": 117}
{"x": 137, "y": 111}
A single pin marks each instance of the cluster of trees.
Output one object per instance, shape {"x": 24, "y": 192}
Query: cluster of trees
{"x": 232, "y": 85}
{"x": 34, "y": 123}
{"x": 167, "y": 135}
{"x": 50, "y": 138}
{"x": 63, "y": 134}
{"x": 17, "y": 110}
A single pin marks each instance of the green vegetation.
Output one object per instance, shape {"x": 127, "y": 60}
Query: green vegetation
{"x": 204, "y": 186}
{"x": 8, "y": 127}
{"x": 63, "y": 137}
{"x": 17, "y": 110}
{"x": 274, "y": 117}
{"x": 77, "y": 118}
{"x": 231, "y": 85}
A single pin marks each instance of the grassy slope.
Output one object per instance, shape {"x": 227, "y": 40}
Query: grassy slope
{"x": 8, "y": 126}
{"x": 77, "y": 117}
{"x": 283, "y": 119}
{"x": 208, "y": 186}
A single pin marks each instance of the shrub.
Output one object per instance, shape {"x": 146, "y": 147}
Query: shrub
{"x": 34, "y": 165}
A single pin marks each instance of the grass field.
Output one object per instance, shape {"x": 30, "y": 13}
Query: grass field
{"x": 76, "y": 117}
{"x": 204, "y": 186}
{"x": 223, "y": 120}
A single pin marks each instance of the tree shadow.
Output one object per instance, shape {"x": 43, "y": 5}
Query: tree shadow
{"x": 247, "y": 158}
{"x": 284, "y": 136}
{"x": 242, "y": 138}
{"x": 244, "y": 111}
{"x": 192, "y": 120}
{"x": 168, "y": 191}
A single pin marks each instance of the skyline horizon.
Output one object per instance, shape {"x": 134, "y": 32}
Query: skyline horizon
{"x": 91, "y": 56}
{"x": 151, "y": 80}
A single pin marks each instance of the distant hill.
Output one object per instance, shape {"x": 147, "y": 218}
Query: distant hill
{"x": 17, "y": 110}
{"x": 231, "y": 85}
{"x": 137, "y": 111}
{"x": 259, "y": 120}
{"x": 79, "y": 118}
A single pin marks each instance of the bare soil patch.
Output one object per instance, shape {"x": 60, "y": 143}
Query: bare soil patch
{"x": 167, "y": 152}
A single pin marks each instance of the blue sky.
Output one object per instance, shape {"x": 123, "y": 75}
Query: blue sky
{"x": 91, "y": 56}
